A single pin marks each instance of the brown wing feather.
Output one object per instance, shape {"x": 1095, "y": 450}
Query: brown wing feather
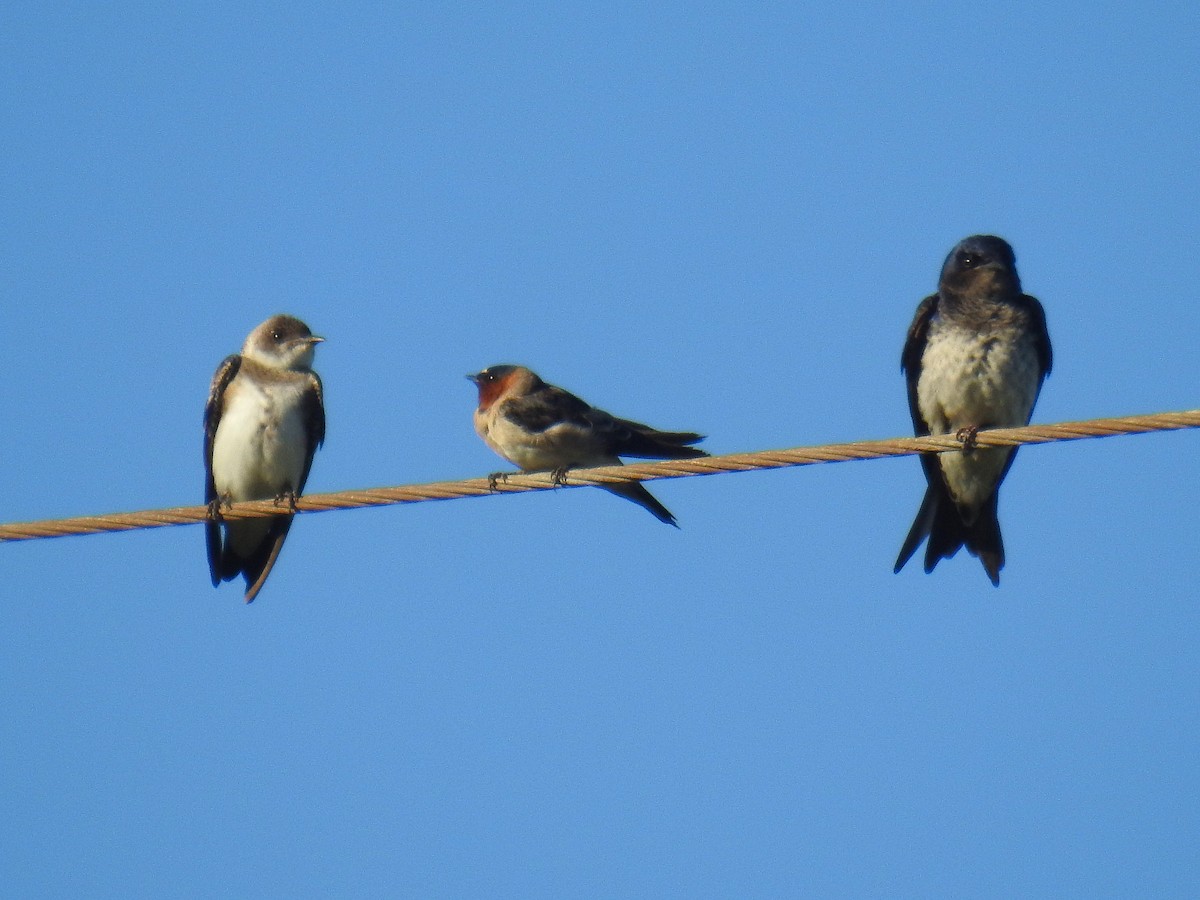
{"x": 636, "y": 439}
{"x": 546, "y": 407}
{"x": 212, "y": 418}
{"x": 314, "y": 424}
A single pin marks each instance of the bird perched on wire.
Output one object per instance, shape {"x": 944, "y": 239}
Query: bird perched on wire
{"x": 976, "y": 356}
{"x": 542, "y": 428}
{"x": 264, "y": 420}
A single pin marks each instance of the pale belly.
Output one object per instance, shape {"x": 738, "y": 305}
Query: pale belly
{"x": 261, "y": 446}
{"x": 543, "y": 451}
{"x": 966, "y": 383}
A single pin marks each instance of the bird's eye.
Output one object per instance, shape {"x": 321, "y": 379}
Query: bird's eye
{"x": 275, "y": 335}
{"x": 967, "y": 261}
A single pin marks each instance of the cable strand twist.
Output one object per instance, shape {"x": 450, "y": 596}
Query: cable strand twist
{"x": 607, "y": 475}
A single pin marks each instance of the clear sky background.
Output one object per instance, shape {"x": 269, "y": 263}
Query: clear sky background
{"x": 717, "y": 217}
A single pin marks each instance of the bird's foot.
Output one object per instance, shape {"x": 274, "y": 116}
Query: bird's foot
{"x": 966, "y": 436}
{"x": 559, "y": 475}
{"x": 497, "y": 478}
{"x": 215, "y": 505}
{"x": 288, "y": 498}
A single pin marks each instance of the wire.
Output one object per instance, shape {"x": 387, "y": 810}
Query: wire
{"x": 645, "y": 471}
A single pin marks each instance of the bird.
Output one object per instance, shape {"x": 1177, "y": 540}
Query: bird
{"x": 263, "y": 422}
{"x": 975, "y": 357}
{"x": 542, "y": 428}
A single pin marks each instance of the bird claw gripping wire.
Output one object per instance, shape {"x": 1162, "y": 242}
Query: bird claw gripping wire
{"x": 286, "y": 498}
{"x": 967, "y": 437}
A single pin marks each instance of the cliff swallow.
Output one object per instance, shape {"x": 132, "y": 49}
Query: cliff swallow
{"x": 542, "y": 428}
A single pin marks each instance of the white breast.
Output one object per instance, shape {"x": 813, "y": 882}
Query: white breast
{"x": 261, "y": 444}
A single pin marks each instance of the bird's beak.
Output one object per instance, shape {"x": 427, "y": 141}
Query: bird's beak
{"x": 473, "y": 378}
{"x": 316, "y": 340}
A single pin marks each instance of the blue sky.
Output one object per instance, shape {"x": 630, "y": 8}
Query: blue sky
{"x": 716, "y": 217}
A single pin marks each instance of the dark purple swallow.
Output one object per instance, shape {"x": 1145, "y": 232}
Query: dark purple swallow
{"x": 976, "y": 356}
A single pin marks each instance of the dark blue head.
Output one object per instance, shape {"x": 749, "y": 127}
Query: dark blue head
{"x": 981, "y": 264}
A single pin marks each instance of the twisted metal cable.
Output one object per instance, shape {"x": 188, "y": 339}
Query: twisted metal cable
{"x": 644, "y": 471}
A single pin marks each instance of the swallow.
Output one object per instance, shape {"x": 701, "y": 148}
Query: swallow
{"x": 263, "y": 422}
{"x": 542, "y": 428}
{"x": 976, "y": 356}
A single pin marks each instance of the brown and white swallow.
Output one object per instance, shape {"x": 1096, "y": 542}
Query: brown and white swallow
{"x": 263, "y": 422}
{"x": 542, "y": 428}
{"x": 976, "y": 356}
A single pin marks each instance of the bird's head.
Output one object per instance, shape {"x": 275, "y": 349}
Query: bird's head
{"x": 495, "y": 382}
{"x": 981, "y": 265}
{"x": 282, "y": 342}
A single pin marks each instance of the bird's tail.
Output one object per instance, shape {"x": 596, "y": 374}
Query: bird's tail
{"x": 226, "y": 563}
{"x": 257, "y": 566}
{"x": 984, "y": 541}
{"x": 634, "y": 491}
{"x": 921, "y": 527}
{"x": 220, "y": 566}
{"x": 946, "y": 530}
{"x": 940, "y": 522}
